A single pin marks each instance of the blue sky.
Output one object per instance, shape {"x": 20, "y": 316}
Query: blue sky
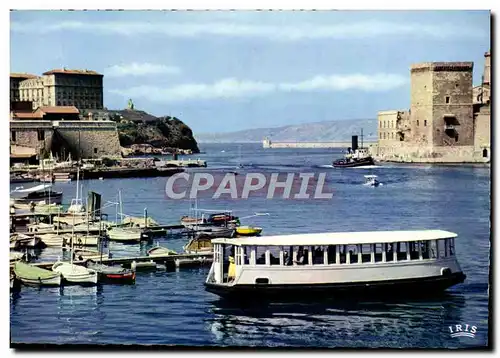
{"x": 221, "y": 71}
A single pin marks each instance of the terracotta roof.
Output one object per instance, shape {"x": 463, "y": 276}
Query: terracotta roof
{"x": 25, "y": 115}
{"x": 72, "y": 72}
{"x": 59, "y": 109}
{"x": 22, "y": 75}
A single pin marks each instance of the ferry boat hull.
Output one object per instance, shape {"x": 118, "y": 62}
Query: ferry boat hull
{"x": 414, "y": 287}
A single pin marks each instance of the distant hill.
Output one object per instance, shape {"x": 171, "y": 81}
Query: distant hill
{"x": 338, "y": 130}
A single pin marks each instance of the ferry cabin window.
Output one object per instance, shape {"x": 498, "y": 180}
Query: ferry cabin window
{"x": 414, "y": 255}
{"x": 318, "y": 257}
{"x": 352, "y": 253}
{"x": 401, "y": 251}
{"x": 260, "y": 255}
{"x": 288, "y": 255}
{"x": 433, "y": 250}
{"x": 274, "y": 255}
{"x": 366, "y": 255}
{"x": 301, "y": 255}
{"x": 246, "y": 255}
{"x": 425, "y": 247}
{"x": 451, "y": 251}
{"x": 332, "y": 254}
{"x": 441, "y": 248}
{"x": 378, "y": 252}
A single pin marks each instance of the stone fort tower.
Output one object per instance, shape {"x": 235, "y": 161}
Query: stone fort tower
{"x": 441, "y": 104}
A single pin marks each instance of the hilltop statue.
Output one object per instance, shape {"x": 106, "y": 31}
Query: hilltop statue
{"x": 130, "y": 104}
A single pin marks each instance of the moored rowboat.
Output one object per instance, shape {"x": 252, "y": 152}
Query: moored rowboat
{"x": 32, "y": 275}
{"x": 248, "y": 230}
{"x": 75, "y": 273}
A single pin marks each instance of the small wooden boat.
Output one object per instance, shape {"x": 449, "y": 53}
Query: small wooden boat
{"x": 55, "y": 240}
{"x": 86, "y": 240}
{"x": 201, "y": 244}
{"x": 76, "y": 274}
{"x": 112, "y": 274}
{"x": 217, "y": 231}
{"x": 32, "y": 275}
{"x": 248, "y": 230}
{"x": 84, "y": 254}
{"x": 15, "y": 256}
{"x": 160, "y": 251}
{"x": 20, "y": 241}
{"x": 125, "y": 235}
{"x": 188, "y": 220}
{"x": 42, "y": 192}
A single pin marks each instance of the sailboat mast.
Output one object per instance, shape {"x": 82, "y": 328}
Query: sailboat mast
{"x": 121, "y": 205}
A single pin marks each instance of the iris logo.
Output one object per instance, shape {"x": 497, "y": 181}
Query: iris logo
{"x": 460, "y": 330}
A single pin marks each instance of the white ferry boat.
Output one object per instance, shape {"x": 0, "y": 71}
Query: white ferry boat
{"x": 389, "y": 263}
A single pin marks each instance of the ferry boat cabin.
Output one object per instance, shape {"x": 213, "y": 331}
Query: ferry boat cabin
{"x": 379, "y": 262}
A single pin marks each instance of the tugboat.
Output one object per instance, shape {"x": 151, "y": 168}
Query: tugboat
{"x": 355, "y": 156}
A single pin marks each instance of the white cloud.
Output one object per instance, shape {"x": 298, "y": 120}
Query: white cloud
{"x": 232, "y": 88}
{"x": 140, "y": 69}
{"x": 304, "y": 31}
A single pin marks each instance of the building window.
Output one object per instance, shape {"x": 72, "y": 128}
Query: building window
{"x": 392, "y": 135}
{"x": 95, "y": 150}
{"x": 456, "y": 137}
{"x": 485, "y": 153}
{"x": 447, "y": 99}
{"x": 425, "y": 122}
{"x": 417, "y": 122}
{"x": 13, "y": 136}
{"x": 41, "y": 134}
{"x": 380, "y": 135}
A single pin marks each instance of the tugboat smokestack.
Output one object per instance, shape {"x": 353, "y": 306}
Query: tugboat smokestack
{"x": 354, "y": 142}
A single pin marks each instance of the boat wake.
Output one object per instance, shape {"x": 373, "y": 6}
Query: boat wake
{"x": 360, "y": 167}
{"x": 367, "y": 167}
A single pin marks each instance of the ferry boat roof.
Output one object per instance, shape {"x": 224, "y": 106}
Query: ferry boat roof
{"x": 338, "y": 238}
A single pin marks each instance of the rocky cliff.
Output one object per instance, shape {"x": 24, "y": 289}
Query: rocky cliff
{"x": 139, "y": 127}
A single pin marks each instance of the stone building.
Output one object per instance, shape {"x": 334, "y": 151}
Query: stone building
{"x": 392, "y": 126}
{"x": 15, "y": 80}
{"x": 83, "y": 139}
{"x": 448, "y": 120}
{"x": 60, "y": 87}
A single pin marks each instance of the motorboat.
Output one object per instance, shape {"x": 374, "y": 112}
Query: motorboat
{"x": 32, "y": 275}
{"x": 75, "y": 274}
{"x": 190, "y": 221}
{"x": 160, "y": 251}
{"x": 221, "y": 219}
{"x": 112, "y": 274}
{"x": 201, "y": 244}
{"x": 248, "y": 230}
{"x": 335, "y": 264}
{"x": 217, "y": 231}
{"x": 84, "y": 254}
{"x": 371, "y": 180}
{"x": 125, "y": 234}
{"x": 42, "y": 192}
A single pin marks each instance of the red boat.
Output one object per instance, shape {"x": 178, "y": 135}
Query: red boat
{"x": 112, "y": 274}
